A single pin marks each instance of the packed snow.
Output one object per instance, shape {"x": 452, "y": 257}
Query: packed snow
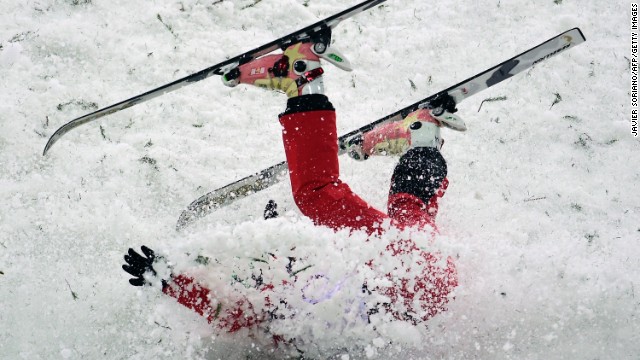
{"x": 541, "y": 215}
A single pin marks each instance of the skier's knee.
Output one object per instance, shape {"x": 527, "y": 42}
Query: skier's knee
{"x": 336, "y": 206}
{"x": 319, "y": 197}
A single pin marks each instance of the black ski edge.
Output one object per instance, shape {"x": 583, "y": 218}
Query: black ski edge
{"x": 216, "y": 199}
{"x": 294, "y": 37}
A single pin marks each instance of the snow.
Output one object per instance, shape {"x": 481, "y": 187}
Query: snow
{"x": 541, "y": 215}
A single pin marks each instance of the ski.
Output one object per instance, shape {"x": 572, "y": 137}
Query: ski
{"x": 272, "y": 175}
{"x": 318, "y": 30}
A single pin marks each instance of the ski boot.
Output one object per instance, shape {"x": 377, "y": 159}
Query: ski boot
{"x": 297, "y": 71}
{"x": 420, "y": 128}
{"x": 419, "y": 178}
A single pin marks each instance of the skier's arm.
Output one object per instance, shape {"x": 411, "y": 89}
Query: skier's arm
{"x": 237, "y": 314}
{"x": 181, "y": 287}
{"x": 192, "y": 295}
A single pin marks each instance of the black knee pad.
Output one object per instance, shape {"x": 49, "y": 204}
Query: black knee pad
{"x": 420, "y": 172}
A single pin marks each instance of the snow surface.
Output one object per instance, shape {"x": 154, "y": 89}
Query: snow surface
{"x": 542, "y": 212}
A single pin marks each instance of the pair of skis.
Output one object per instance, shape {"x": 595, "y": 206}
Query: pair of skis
{"x": 273, "y": 174}
{"x": 321, "y": 31}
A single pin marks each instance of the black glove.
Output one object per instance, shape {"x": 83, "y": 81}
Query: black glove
{"x": 137, "y": 265}
{"x": 443, "y": 101}
{"x": 271, "y": 210}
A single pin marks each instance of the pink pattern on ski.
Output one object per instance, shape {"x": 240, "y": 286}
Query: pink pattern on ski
{"x": 381, "y": 137}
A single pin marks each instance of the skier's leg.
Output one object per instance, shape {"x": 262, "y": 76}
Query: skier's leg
{"x": 419, "y": 179}
{"x": 311, "y": 145}
{"x": 310, "y": 138}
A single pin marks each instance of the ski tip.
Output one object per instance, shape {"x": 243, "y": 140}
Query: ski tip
{"x": 49, "y": 144}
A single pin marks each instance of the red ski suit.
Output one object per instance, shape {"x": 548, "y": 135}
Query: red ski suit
{"x": 311, "y": 146}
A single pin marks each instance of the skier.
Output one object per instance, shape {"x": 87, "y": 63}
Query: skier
{"x": 311, "y": 146}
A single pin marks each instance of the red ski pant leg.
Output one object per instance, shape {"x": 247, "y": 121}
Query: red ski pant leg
{"x": 311, "y": 146}
{"x": 418, "y": 181}
{"x": 409, "y": 210}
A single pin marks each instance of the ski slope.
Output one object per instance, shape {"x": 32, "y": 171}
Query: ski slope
{"x": 541, "y": 213}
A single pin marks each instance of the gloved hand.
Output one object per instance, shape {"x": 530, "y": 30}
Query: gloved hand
{"x": 271, "y": 210}
{"x": 354, "y": 148}
{"x": 137, "y": 265}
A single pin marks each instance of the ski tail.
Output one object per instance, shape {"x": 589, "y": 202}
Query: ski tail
{"x": 223, "y": 196}
{"x": 488, "y": 78}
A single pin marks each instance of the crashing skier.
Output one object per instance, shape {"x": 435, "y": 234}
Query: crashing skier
{"x": 311, "y": 146}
